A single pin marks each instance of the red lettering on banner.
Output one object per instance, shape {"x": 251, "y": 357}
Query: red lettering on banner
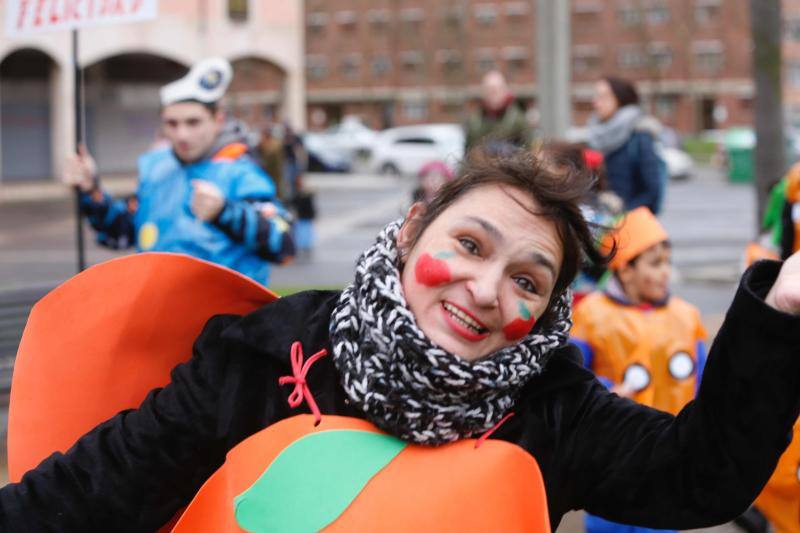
{"x": 112, "y": 7}
{"x": 23, "y": 10}
{"x": 71, "y": 11}
{"x": 37, "y": 20}
{"x": 136, "y": 6}
{"x": 53, "y": 14}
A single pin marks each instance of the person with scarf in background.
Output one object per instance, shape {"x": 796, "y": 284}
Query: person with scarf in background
{"x": 455, "y": 327}
{"x": 628, "y": 141}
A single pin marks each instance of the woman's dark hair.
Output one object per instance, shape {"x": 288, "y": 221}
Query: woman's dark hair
{"x": 624, "y": 91}
{"x": 557, "y": 189}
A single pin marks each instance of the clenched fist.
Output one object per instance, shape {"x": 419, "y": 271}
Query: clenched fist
{"x": 207, "y": 200}
{"x": 785, "y": 292}
{"x": 80, "y": 170}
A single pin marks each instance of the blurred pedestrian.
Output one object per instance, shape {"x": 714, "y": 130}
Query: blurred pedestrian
{"x": 432, "y": 177}
{"x": 202, "y": 196}
{"x": 270, "y": 150}
{"x": 628, "y": 141}
{"x": 305, "y": 212}
{"x": 294, "y": 158}
{"x": 499, "y": 124}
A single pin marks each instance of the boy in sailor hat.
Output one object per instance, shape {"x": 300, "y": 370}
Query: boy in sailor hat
{"x": 202, "y": 195}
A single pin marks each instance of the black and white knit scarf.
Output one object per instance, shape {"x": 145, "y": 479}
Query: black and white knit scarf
{"x": 405, "y": 383}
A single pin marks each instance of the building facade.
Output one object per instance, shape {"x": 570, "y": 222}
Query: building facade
{"x": 404, "y": 61}
{"x": 125, "y": 65}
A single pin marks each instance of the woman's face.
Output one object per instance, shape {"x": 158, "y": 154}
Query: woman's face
{"x": 482, "y": 272}
{"x": 604, "y": 102}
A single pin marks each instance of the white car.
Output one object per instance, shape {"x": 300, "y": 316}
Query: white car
{"x": 343, "y": 143}
{"x": 406, "y": 149}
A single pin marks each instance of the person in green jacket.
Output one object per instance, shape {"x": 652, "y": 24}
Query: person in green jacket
{"x": 500, "y": 123}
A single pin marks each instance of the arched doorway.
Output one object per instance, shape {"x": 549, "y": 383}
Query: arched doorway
{"x": 256, "y": 94}
{"x": 25, "y": 114}
{"x": 122, "y": 107}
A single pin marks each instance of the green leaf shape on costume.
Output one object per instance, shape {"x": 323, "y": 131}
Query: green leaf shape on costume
{"x": 523, "y": 311}
{"x": 313, "y": 480}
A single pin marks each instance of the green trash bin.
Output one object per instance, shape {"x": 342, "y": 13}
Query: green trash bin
{"x": 739, "y": 143}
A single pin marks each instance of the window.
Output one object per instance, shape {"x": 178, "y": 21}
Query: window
{"x": 660, "y": 55}
{"x": 485, "y": 14}
{"x": 379, "y": 18}
{"x": 415, "y": 110}
{"x": 585, "y": 58}
{"x": 316, "y": 67}
{"x": 484, "y": 59}
{"x": 666, "y": 105}
{"x": 411, "y": 60}
{"x": 453, "y": 16}
{"x": 412, "y": 20}
{"x": 709, "y": 56}
{"x": 346, "y": 19}
{"x": 414, "y": 140}
{"x": 706, "y": 12}
{"x": 237, "y": 10}
{"x": 791, "y": 28}
{"x": 631, "y": 57}
{"x": 516, "y": 57}
{"x": 517, "y": 10}
{"x": 793, "y": 74}
{"x": 450, "y": 60}
{"x": 381, "y": 66}
{"x": 350, "y": 66}
{"x": 629, "y": 15}
{"x": 316, "y": 22}
{"x": 657, "y": 12}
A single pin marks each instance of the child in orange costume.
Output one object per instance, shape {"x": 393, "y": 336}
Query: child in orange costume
{"x": 641, "y": 342}
{"x": 780, "y": 500}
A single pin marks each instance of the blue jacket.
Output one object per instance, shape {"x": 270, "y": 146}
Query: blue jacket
{"x": 636, "y": 173}
{"x": 242, "y": 238}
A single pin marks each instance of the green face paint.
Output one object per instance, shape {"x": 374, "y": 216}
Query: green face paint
{"x": 523, "y": 310}
{"x": 444, "y": 255}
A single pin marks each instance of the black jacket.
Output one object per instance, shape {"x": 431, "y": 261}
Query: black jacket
{"x": 608, "y": 455}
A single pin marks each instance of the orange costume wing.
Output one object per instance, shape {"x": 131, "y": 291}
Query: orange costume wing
{"x": 296, "y": 476}
{"x": 101, "y": 341}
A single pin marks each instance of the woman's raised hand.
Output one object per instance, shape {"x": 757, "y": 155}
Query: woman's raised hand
{"x": 785, "y": 292}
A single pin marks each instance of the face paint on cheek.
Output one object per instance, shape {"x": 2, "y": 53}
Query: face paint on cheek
{"x": 431, "y": 271}
{"x": 521, "y": 326}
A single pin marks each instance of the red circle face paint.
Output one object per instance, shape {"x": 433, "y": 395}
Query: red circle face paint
{"x": 518, "y": 328}
{"x": 521, "y": 326}
{"x": 430, "y": 271}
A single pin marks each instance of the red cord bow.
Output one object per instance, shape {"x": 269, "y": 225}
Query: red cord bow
{"x": 298, "y": 377}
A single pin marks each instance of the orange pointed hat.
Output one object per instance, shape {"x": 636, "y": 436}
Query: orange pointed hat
{"x": 635, "y": 233}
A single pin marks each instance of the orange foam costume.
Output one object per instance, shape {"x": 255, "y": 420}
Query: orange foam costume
{"x": 657, "y": 349}
{"x": 780, "y": 499}
{"x": 146, "y": 311}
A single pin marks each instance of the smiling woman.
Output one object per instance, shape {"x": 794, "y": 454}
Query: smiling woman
{"x": 457, "y": 318}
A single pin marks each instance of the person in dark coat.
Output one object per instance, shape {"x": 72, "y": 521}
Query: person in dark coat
{"x": 627, "y": 140}
{"x": 458, "y": 315}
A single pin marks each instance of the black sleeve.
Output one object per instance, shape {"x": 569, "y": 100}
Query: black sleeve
{"x": 636, "y": 465}
{"x": 134, "y": 471}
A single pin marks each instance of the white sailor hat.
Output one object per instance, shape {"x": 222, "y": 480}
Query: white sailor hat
{"x": 206, "y": 82}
